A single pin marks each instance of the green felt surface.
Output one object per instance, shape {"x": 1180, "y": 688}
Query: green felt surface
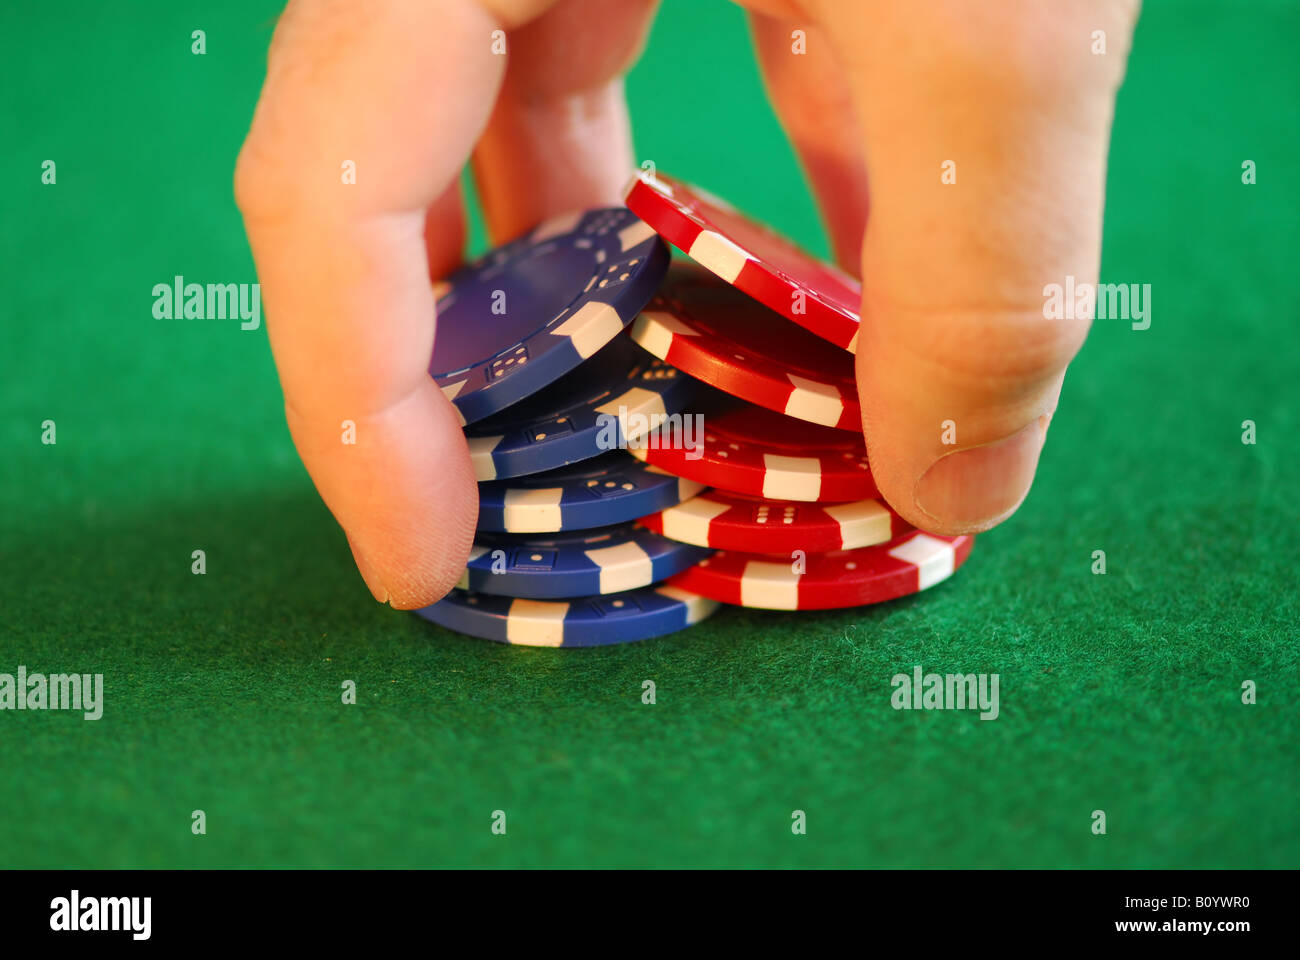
{"x": 1118, "y": 692}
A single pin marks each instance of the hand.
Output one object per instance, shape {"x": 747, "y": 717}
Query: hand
{"x": 953, "y": 325}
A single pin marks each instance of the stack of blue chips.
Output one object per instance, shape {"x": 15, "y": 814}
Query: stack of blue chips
{"x": 533, "y": 351}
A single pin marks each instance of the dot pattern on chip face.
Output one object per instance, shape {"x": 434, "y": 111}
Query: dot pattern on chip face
{"x": 502, "y": 365}
{"x": 612, "y": 484}
{"x": 622, "y": 277}
{"x": 763, "y": 514}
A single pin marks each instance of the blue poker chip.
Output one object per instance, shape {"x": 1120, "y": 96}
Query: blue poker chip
{"x": 589, "y": 622}
{"x": 612, "y": 488}
{"x": 525, "y": 314}
{"x": 581, "y": 415}
{"x": 578, "y": 563}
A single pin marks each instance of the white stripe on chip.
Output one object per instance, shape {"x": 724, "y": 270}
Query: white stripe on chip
{"x": 654, "y": 330}
{"x": 635, "y": 233}
{"x": 593, "y": 326}
{"x": 533, "y": 511}
{"x": 689, "y": 521}
{"x": 866, "y": 521}
{"x": 819, "y": 402}
{"x": 637, "y": 400}
{"x": 536, "y": 623}
{"x": 771, "y": 585}
{"x": 624, "y": 566}
{"x": 933, "y": 558}
{"x": 791, "y": 478}
{"x": 697, "y": 607}
{"x": 720, "y": 254}
{"x": 480, "y": 455}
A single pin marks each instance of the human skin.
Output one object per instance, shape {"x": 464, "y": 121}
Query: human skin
{"x": 953, "y": 330}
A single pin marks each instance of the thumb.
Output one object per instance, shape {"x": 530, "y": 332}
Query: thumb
{"x": 985, "y": 133}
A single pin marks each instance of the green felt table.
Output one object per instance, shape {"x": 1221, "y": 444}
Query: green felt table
{"x": 1119, "y": 692}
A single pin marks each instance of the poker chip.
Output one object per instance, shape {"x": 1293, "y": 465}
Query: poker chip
{"x": 591, "y": 621}
{"x": 747, "y": 449}
{"x": 733, "y": 521}
{"x": 841, "y": 578}
{"x": 610, "y": 399}
{"x": 574, "y": 564}
{"x": 526, "y": 313}
{"x": 611, "y": 488}
{"x": 814, "y": 294}
{"x": 718, "y": 334}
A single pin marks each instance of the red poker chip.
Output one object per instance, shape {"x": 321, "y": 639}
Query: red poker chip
{"x": 747, "y": 449}
{"x": 843, "y": 578}
{"x": 733, "y": 521}
{"x": 814, "y": 294}
{"x": 718, "y": 334}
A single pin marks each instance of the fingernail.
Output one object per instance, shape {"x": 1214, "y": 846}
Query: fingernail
{"x": 976, "y": 487}
{"x": 369, "y": 574}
